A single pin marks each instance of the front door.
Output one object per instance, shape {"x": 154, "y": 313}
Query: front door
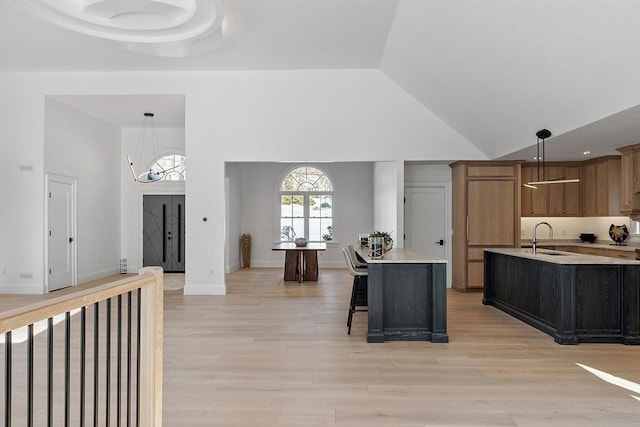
{"x": 61, "y": 263}
{"x": 425, "y": 211}
{"x": 163, "y": 232}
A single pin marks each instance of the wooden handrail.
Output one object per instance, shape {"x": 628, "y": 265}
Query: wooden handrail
{"x": 149, "y": 281}
{"x": 32, "y": 313}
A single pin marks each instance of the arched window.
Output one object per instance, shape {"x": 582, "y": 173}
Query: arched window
{"x": 306, "y": 205}
{"x": 173, "y": 166}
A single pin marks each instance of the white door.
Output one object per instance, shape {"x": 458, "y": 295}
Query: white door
{"x": 425, "y": 210}
{"x": 61, "y": 232}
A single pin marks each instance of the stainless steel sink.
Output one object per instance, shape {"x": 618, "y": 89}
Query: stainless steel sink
{"x": 553, "y": 253}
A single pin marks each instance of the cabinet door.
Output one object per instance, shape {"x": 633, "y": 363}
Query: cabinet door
{"x": 589, "y": 189}
{"x": 602, "y": 189}
{"x": 572, "y": 192}
{"x": 626, "y": 183}
{"x": 636, "y": 170}
{"x": 534, "y": 201}
{"x": 491, "y": 212}
{"x": 556, "y": 191}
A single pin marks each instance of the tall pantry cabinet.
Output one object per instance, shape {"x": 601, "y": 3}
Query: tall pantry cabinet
{"x": 486, "y": 213}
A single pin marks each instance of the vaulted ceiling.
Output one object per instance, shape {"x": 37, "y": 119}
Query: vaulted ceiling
{"x": 495, "y": 71}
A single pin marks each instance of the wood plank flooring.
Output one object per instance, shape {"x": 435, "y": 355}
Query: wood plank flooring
{"x": 275, "y": 353}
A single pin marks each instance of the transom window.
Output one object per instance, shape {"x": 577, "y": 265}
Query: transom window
{"x": 306, "y": 205}
{"x": 170, "y": 168}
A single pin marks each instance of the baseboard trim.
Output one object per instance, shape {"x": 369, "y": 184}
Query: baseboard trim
{"x": 280, "y": 264}
{"x": 22, "y": 289}
{"x": 205, "y": 289}
{"x": 231, "y": 268}
{"x": 98, "y": 275}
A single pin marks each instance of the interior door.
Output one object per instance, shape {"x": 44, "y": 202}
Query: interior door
{"x": 425, "y": 211}
{"x": 164, "y": 232}
{"x": 60, "y": 233}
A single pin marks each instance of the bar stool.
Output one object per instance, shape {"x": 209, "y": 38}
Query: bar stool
{"x": 358, "y": 262}
{"x": 359, "y": 289}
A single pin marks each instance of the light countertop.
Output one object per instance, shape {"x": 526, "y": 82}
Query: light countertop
{"x": 597, "y": 244}
{"x": 560, "y": 257}
{"x": 401, "y": 256}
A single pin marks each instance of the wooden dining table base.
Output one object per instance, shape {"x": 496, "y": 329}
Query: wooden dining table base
{"x": 297, "y": 262}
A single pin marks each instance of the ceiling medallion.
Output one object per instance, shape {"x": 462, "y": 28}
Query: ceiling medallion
{"x": 171, "y": 28}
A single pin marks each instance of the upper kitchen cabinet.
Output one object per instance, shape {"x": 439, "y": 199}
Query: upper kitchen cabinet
{"x": 551, "y": 199}
{"x": 534, "y": 201}
{"x": 630, "y": 180}
{"x": 486, "y": 213}
{"x": 600, "y": 185}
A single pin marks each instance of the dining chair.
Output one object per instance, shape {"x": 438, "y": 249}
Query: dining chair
{"x": 358, "y": 290}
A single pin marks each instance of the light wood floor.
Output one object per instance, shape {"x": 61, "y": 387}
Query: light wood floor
{"x": 272, "y": 353}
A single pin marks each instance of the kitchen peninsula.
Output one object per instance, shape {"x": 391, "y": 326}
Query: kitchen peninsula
{"x": 407, "y": 298}
{"x": 573, "y": 297}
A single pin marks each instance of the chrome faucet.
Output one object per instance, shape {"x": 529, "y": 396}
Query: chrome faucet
{"x": 534, "y": 240}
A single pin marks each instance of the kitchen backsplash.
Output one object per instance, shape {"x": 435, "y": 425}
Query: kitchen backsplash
{"x": 570, "y": 228}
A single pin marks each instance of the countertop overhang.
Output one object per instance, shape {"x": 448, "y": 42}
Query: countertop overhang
{"x": 401, "y": 256}
{"x": 560, "y": 257}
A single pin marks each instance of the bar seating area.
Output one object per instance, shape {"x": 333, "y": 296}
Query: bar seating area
{"x": 359, "y": 288}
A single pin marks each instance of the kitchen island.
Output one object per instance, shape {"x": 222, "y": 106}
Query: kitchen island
{"x": 572, "y": 297}
{"x": 407, "y": 298}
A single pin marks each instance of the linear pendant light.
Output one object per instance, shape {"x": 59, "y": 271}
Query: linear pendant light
{"x": 543, "y": 134}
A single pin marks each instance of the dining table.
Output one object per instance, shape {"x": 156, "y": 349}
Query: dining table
{"x": 300, "y": 262}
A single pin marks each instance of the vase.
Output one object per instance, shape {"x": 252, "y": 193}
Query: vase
{"x": 376, "y": 247}
{"x": 618, "y": 233}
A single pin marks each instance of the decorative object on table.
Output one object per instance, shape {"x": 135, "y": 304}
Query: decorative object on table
{"x": 376, "y": 247}
{"x": 387, "y": 242}
{"x": 300, "y": 241}
{"x": 363, "y": 240}
{"x": 618, "y": 233}
{"x": 588, "y": 237}
{"x": 245, "y": 247}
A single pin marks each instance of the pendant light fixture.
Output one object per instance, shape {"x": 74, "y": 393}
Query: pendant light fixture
{"x": 148, "y": 135}
{"x": 543, "y": 134}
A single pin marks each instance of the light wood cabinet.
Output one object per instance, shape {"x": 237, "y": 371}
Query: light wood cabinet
{"x": 630, "y": 179}
{"x": 551, "y": 199}
{"x": 534, "y": 201}
{"x": 486, "y": 213}
{"x": 600, "y": 186}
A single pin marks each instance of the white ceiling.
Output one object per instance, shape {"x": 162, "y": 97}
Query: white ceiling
{"x": 496, "y": 71}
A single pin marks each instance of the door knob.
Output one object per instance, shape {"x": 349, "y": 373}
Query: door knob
{"x": 440, "y": 242}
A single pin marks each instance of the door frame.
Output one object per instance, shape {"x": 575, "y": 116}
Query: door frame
{"x": 448, "y": 235}
{"x": 162, "y": 189}
{"x": 73, "y": 182}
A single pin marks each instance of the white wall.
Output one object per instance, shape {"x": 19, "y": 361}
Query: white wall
{"x": 86, "y": 148}
{"x": 388, "y": 203}
{"x": 353, "y": 208}
{"x": 570, "y": 228}
{"x": 233, "y": 217}
{"x": 170, "y": 141}
{"x": 344, "y": 115}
